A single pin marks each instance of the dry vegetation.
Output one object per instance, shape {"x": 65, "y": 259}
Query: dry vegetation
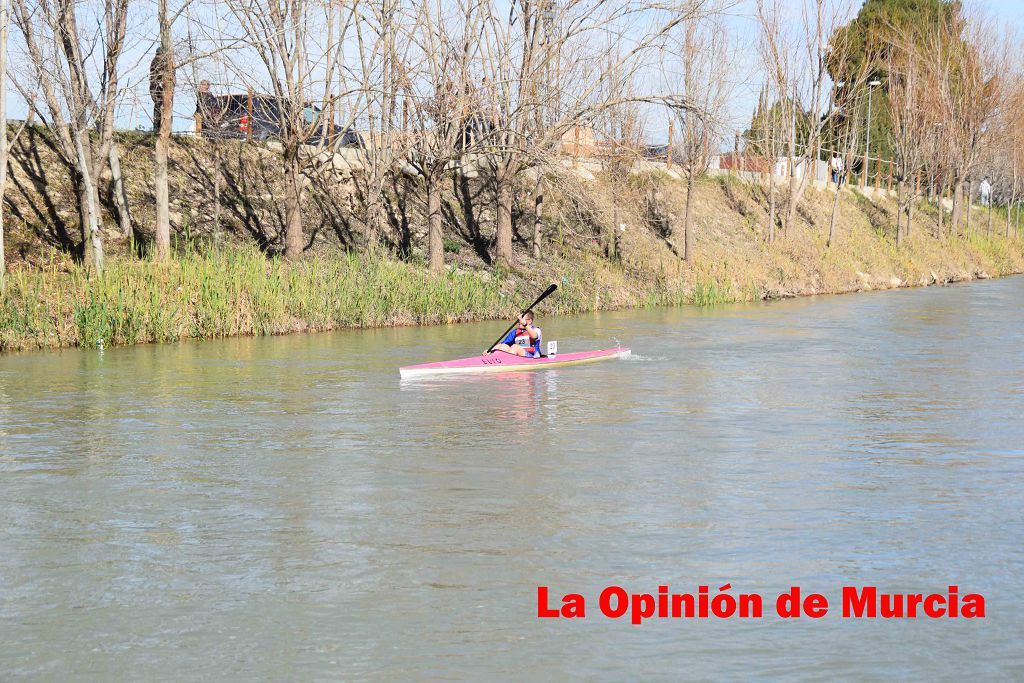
{"x": 220, "y": 284}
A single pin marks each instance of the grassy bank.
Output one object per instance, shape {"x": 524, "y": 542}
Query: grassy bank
{"x": 235, "y": 289}
{"x": 239, "y": 291}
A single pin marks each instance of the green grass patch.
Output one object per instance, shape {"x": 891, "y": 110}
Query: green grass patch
{"x": 710, "y": 292}
{"x": 229, "y": 292}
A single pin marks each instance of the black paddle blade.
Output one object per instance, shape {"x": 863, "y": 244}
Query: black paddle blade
{"x": 547, "y": 292}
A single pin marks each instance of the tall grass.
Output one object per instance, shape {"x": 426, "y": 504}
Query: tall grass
{"x": 709, "y": 292}
{"x": 233, "y": 292}
{"x": 239, "y": 291}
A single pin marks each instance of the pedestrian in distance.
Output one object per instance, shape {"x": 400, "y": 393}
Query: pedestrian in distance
{"x": 837, "y": 169}
{"x": 986, "y": 192}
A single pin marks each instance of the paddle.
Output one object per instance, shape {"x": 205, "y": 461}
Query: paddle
{"x": 540, "y": 298}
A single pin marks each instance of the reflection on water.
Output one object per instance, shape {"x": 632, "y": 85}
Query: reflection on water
{"x": 287, "y": 508}
{"x": 522, "y": 396}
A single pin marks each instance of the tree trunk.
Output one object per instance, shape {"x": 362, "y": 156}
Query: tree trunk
{"x": 688, "y": 215}
{"x": 92, "y": 244}
{"x": 435, "y": 237}
{"x": 503, "y": 222}
{"x": 1010, "y": 211}
{"x": 970, "y": 205}
{"x": 791, "y": 203}
{"x": 120, "y": 193}
{"x": 941, "y": 213}
{"x": 96, "y": 239}
{"x": 900, "y": 195}
{"x": 538, "y": 215}
{"x": 832, "y": 220}
{"x": 293, "y": 239}
{"x": 609, "y": 245}
{"x": 163, "y": 141}
{"x": 988, "y": 230}
{"x": 910, "y": 214}
{"x": 771, "y": 206}
{"x": 83, "y": 217}
{"x": 217, "y": 172}
{"x": 4, "y": 20}
{"x": 163, "y": 209}
{"x": 958, "y": 195}
{"x": 794, "y": 198}
{"x": 374, "y": 221}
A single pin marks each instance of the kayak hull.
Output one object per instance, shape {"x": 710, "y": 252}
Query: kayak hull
{"x": 499, "y": 361}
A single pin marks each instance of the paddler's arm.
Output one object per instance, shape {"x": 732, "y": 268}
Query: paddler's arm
{"x": 509, "y": 339}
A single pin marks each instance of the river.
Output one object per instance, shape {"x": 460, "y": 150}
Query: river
{"x": 287, "y": 509}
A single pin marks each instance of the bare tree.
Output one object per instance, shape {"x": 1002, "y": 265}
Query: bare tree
{"x": 820, "y": 20}
{"x": 621, "y": 127}
{"x": 846, "y": 120}
{"x": 702, "y": 63}
{"x": 76, "y": 69}
{"x": 379, "y": 79}
{"x": 298, "y": 46}
{"x": 162, "y": 81}
{"x": 912, "y": 119}
{"x": 776, "y": 119}
{"x": 964, "y": 71}
{"x": 518, "y": 49}
{"x": 445, "y": 121}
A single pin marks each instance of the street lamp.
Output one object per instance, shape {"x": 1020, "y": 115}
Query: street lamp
{"x": 867, "y": 144}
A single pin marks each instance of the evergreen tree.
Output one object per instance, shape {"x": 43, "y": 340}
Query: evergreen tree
{"x": 867, "y": 38}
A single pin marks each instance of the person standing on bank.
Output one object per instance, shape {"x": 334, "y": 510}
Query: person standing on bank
{"x": 986, "y": 192}
{"x": 837, "y": 169}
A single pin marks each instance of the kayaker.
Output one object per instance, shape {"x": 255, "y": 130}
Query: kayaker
{"x": 524, "y": 340}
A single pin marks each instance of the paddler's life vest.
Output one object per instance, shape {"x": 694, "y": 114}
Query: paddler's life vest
{"x": 521, "y": 337}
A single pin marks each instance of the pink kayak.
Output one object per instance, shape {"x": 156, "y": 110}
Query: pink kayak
{"x": 499, "y": 361}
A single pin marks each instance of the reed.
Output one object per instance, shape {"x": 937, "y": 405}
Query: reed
{"x": 234, "y": 291}
{"x": 709, "y": 292}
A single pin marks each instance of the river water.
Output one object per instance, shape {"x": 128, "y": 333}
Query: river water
{"x": 287, "y": 509}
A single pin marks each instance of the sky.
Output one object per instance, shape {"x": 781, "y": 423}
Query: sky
{"x": 744, "y": 79}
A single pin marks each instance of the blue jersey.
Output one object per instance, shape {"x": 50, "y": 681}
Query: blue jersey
{"x": 532, "y": 345}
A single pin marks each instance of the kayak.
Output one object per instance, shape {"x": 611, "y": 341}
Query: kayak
{"x": 499, "y": 361}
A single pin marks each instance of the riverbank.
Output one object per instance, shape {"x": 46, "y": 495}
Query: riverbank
{"x": 239, "y": 291}
{"x": 220, "y": 283}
